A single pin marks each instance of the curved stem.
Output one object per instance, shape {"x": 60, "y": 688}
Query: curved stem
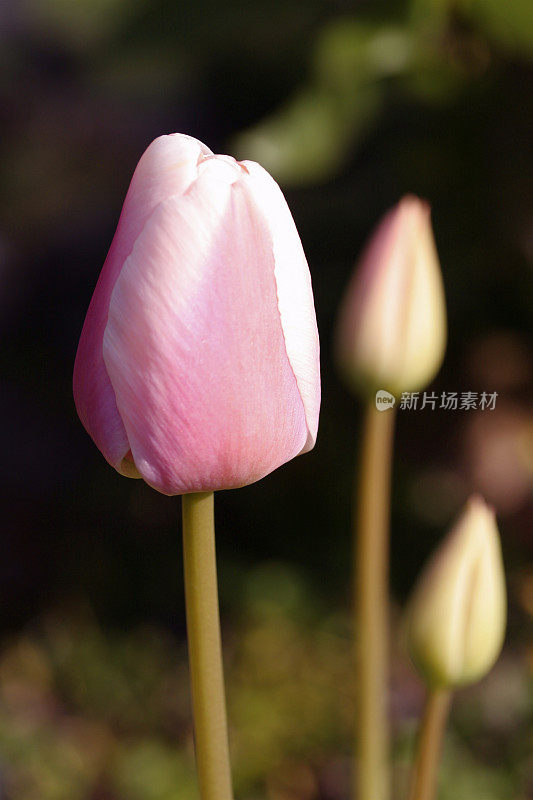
{"x": 371, "y": 573}
{"x": 425, "y": 769}
{"x": 205, "y": 654}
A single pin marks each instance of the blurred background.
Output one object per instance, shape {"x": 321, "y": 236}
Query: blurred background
{"x": 350, "y": 104}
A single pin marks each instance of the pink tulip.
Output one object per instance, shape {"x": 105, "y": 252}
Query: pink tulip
{"x": 198, "y": 363}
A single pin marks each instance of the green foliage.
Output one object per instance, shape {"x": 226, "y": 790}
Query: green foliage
{"x": 435, "y": 52}
{"x": 86, "y": 713}
{"x": 153, "y": 770}
{"x": 506, "y": 25}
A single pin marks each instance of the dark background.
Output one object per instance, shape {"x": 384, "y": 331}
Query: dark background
{"x": 350, "y": 105}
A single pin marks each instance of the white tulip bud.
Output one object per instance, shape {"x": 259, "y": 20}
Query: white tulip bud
{"x": 392, "y": 324}
{"x": 457, "y": 615}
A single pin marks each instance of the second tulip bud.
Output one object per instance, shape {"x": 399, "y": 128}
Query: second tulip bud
{"x": 392, "y": 325}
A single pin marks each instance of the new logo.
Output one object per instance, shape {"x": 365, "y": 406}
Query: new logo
{"x": 384, "y": 400}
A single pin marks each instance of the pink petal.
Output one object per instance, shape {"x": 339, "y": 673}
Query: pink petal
{"x": 194, "y": 345}
{"x": 294, "y": 291}
{"x": 168, "y": 167}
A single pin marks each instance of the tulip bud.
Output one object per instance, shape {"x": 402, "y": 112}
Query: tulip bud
{"x": 198, "y": 366}
{"x": 457, "y": 615}
{"x": 392, "y": 324}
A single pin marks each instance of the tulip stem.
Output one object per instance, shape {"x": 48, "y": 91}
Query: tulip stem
{"x": 371, "y": 575}
{"x": 433, "y": 723}
{"x": 205, "y": 652}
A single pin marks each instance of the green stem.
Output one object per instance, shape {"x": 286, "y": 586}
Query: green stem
{"x": 205, "y": 653}
{"x": 371, "y": 573}
{"x": 425, "y": 769}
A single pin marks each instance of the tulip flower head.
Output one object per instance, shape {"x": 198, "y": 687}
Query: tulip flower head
{"x": 457, "y": 616}
{"x": 198, "y": 363}
{"x": 392, "y": 325}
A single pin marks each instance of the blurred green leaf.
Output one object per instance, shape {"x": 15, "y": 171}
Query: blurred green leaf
{"x": 349, "y": 50}
{"x": 509, "y": 24}
{"x": 309, "y": 138}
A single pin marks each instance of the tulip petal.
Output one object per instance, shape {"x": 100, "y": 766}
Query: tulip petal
{"x": 294, "y": 291}
{"x": 194, "y": 345}
{"x": 167, "y": 167}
